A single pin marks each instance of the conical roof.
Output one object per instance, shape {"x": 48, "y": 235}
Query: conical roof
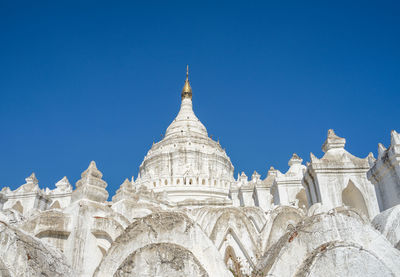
{"x": 186, "y": 123}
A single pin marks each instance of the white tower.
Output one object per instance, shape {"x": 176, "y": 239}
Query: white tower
{"x": 187, "y": 164}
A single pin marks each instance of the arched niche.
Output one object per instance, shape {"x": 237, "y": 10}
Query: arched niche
{"x": 352, "y": 197}
{"x": 232, "y": 262}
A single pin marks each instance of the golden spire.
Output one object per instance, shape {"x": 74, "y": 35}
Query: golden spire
{"x": 187, "y": 90}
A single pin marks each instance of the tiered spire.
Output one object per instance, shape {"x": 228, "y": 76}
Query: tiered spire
{"x": 187, "y": 89}
{"x": 91, "y": 186}
{"x": 295, "y": 160}
{"x": 333, "y": 142}
{"x": 63, "y": 186}
{"x": 31, "y": 184}
{"x": 125, "y": 191}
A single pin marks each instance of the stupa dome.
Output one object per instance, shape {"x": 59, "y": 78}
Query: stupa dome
{"x": 187, "y": 163}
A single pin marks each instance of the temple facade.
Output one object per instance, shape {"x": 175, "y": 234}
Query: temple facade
{"x": 187, "y": 215}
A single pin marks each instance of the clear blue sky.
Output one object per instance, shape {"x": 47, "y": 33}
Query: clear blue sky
{"x": 101, "y": 80}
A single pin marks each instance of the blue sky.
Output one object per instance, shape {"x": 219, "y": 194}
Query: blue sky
{"x": 101, "y": 80}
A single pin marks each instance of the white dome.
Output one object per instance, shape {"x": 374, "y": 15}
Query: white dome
{"x": 186, "y": 122}
{"x": 186, "y": 163}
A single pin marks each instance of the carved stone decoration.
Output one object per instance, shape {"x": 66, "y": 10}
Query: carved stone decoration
{"x": 31, "y": 185}
{"x": 125, "y": 191}
{"x": 385, "y": 173}
{"x": 62, "y": 186}
{"x": 287, "y": 188}
{"x": 91, "y": 186}
{"x": 339, "y": 178}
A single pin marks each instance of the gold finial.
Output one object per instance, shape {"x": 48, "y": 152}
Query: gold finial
{"x": 187, "y": 90}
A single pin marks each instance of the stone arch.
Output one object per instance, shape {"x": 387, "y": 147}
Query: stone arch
{"x": 104, "y": 241}
{"x": 301, "y": 199}
{"x": 203, "y": 182}
{"x": 359, "y": 262}
{"x": 232, "y": 218}
{"x": 352, "y": 197}
{"x": 342, "y": 230}
{"x": 161, "y": 259}
{"x": 233, "y": 228}
{"x": 206, "y": 217}
{"x": 159, "y": 228}
{"x": 246, "y": 255}
{"x": 102, "y": 235}
{"x": 18, "y": 207}
{"x": 257, "y": 215}
{"x": 279, "y": 220}
{"x": 108, "y": 228}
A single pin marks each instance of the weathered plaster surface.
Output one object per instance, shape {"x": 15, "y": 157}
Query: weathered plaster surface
{"x": 24, "y": 255}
